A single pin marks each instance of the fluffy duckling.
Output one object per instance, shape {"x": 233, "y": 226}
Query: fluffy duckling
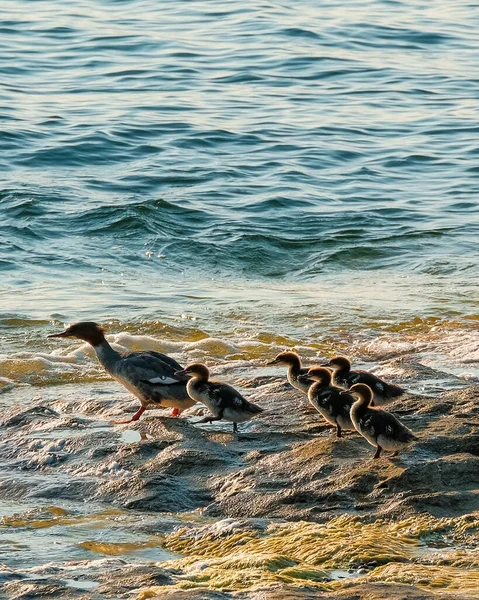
{"x": 293, "y": 362}
{"x": 344, "y": 376}
{"x": 333, "y": 403}
{"x": 380, "y": 428}
{"x": 149, "y": 375}
{"x": 223, "y": 401}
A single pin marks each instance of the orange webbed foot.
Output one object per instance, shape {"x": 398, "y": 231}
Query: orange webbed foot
{"x": 176, "y": 412}
{"x": 135, "y": 417}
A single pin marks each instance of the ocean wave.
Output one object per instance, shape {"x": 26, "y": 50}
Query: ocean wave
{"x": 326, "y": 154}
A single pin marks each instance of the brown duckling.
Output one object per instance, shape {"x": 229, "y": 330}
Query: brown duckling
{"x": 378, "y": 427}
{"x": 332, "y": 402}
{"x": 345, "y": 377}
{"x": 295, "y": 369}
{"x": 223, "y": 401}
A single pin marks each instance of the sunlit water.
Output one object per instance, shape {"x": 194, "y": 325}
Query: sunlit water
{"x": 229, "y": 179}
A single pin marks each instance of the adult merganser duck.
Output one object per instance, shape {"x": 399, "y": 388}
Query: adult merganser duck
{"x": 333, "y": 403}
{"x": 293, "y": 362}
{"x": 149, "y": 375}
{"x": 343, "y": 376}
{"x": 378, "y": 427}
{"x": 222, "y": 399}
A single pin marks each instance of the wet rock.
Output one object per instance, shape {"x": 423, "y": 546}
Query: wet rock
{"x": 286, "y": 466}
{"x": 25, "y": 417}
{"x": 122, "y": 580}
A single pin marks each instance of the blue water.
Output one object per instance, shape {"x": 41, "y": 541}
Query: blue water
{"x": 265, "y": 161}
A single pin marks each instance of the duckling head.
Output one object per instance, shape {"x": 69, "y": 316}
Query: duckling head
{"x": 86, "y": 330}
{"x": 195, "y": 371}
{"x": 339, "y": 363}
{"x": 362, "y": 391}
{"x": 320, "y": 374}
{"x": 286, "y": 358}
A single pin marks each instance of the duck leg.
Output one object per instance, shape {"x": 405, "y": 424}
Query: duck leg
{"x": 235, "y": 427}
{"x": 338, "y": 431}
{"x": 176, "y": 412}
{"x": 378, "y": 452}
{"x": 135, "y": 417}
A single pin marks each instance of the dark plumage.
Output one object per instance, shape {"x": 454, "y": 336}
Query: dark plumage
{"x": 293, "y": 362}
{"x": 333, "y": 403}
{"x": 149, "y": 375}
{"x": 378, "y": 427}
{"x": 223, "y": 401}
{"x": 344, "y": 376}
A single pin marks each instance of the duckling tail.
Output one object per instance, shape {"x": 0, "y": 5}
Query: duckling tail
{"x": 255, "y": 409}
{"x": 407, "y": 436}
{"x": 393, "y": 391}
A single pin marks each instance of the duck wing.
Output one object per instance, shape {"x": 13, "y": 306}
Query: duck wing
{"x": 150, "y": 367}
{"x": 388, "y": 425}
{"x": 379, "y": 387}
{"x": 225, "y": 396}
{"x": 335, "y": 401}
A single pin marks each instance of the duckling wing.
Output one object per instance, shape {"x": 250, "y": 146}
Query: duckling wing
{"x": 389, "y": 426}
{"x": 339, "y": 403}
{"x": 225, "y": 396}
{"x": 379, "y": 387}
{"x": 150, "y": 367}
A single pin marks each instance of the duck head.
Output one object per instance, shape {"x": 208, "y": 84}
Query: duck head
{"x": 362, "y": 392}
{"x": 286, "y": 358}
{"x": 86, "y": 330}
{"x": 196, "y": 371}
{"x": 318, "y": 374}
{"x": 339, "y": 363}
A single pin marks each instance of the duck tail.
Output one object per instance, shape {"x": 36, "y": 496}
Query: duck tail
{"x": 394, "y": 391}
{"x": 255, "y": 409}
{"x": 408, "y": 436}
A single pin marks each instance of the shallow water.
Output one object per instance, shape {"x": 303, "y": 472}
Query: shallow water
{"x": 220, "y": 181}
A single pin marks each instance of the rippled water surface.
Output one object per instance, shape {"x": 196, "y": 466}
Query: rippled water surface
{"x": 155, "y": 152}
{"x": 254, "y": 167}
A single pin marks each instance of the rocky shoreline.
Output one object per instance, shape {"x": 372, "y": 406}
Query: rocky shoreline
{"x": 287, "y": 510}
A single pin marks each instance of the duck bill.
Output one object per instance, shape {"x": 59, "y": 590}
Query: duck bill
{"x": 328, "y": 364}
{"x": 181, "y": 373}
{"x": 271, "y": 363}
{"x": 63, "y": 334}
{"x": 306, "y": 380}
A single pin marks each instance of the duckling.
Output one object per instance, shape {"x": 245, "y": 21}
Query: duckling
{"x": 378, "y": 427}
{"x": 149, "y": 375}
{"x": 293, "y": 362}
{"x": 343, "y": 376}
{"x": 333, "y": 403}
{"x": 222, "y": 399}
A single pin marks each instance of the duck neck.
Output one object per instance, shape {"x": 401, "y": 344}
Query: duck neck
{"x": 342, "y": 370}
{"x": 107, "y": 356}
{"x": 294, "y": 367}
{"x": 362, "y": 404}
{"x": 326, "y": 379}
{"x": 315, "y": 388}
{"x": 196, "y": 383}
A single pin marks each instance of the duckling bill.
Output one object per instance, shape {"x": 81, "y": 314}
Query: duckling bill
{"x": 332, "y": 402}
{"x": 343, "y": 376}
{"x": 378, "y": 427}
{"x": 295, "y": 370}
{"x": 223, "y": 401}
